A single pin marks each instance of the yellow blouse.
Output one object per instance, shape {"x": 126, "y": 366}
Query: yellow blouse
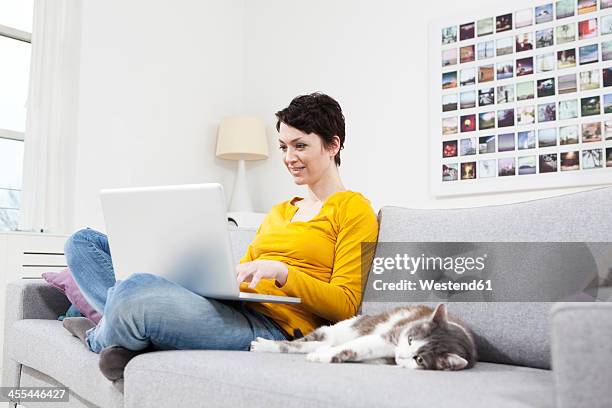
{"x": 324, "y": 259}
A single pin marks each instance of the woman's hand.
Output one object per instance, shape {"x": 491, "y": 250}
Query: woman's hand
{"x": 254, "y": 271}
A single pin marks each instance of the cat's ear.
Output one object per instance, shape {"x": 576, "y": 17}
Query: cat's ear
{"x": 439, "y": 315}
{"x": 455, "y": 362}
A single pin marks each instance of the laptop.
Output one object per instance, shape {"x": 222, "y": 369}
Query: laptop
{"x": 178, "y": 232}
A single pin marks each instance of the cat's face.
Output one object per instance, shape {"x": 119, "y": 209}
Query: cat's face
{"x": 435, "y": 344}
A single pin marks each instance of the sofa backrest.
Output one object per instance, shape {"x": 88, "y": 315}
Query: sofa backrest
{"x": 506, "y": 332}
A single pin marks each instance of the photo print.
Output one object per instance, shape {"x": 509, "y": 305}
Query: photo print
{"x": 505, "y": 70}
{"x": 467, "y": 100}
{"x": 566, "y": 58}
{"x": 525, "y": 115}
{"x": 486, "y": 144}
{"x": 565, "y": 8}
{"x": 505, "y": 94}
{"x": 570, "y": 161}
{"x": 449, "y": 125}
{"x": 484, "y": 26}
{"x": 485, "y": 50}
{"x": 524, "y": 66}
{"x": 449, "y": 80}
{"x": 486, "y": 120}
{"x": 591, "y": 132}
{"x": 608, "y": 129}
{"x": 504, "y": 46}
{"x": 589, "y": 80}
{"x": 486, "y": 73}
{"x": 506, "y": 167}
{"x": 449, "y": 35}
{"x": 590, "y": 106}
{"x": 466, "y": 31}
{"x": 523, "y": 18}
{"x": 568, "y": 109}
{"x": 487, "y": 168}
{"x": 568, "y": 135}
{"x": 449, "y": 148}
{"x": 609, "y": 157}
{"x": 592, "y": 159}
{"x": 526, "y": 165}
{"x": 604, "y": 4}
{"x": 467, "y": 147}
{"x": 486, "y": 96}
{"x": 468, "y": 171}
{"x": 505, "y": 142}
{"x": 468, "y": 123}
{"x": 566, "y": 33}
{"x": 524, "y": 42}
{"x": 467, "y": 54}
{"x": 548, "y": 163}
{"x": 545, "y": 62}
{"x": 524, "y": 91}
{"x": 544, "y": 38}
{"x": 607, "y": 77}
{"x": 503, "y": 23}
{"x": 545, "y": 87}
{"x": 505, "y": 118}
{"x": 606, "y": 51}
{"x": 449, "y": 57}
{"x": 547, "y": 137}
{"x": 526, "y": 140}
{"x": 587, "y": 29}
{"x": 468, "y": 77}
{"x": 589, "y": 54}
{"x": 587, "y": 6}
{"x": 450, "y": 172}
{"x": 449, "y": 102}
{"x": 547, "y": 112}
{"x": 544, "y": 13}
{"x": 605, "y": 24}
{"x": 567, "y": 84}
{"x": 607, "y": 103}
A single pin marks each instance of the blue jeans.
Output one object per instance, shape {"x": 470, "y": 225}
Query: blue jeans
{"x": 148, "y": 311}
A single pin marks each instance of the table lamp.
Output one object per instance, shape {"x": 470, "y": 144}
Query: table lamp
{"x": 241, "y": 138}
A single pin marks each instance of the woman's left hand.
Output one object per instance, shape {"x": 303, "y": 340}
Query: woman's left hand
{"x": 254, "y": 271}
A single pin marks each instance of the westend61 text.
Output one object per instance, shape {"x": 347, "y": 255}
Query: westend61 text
{"x": 475, "y": 285}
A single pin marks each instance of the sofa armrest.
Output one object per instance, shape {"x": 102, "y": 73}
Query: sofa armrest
{"x": 27, "y": 299}
{"x": 581, "y": 348}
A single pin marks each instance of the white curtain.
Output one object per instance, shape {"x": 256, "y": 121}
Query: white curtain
{"x": 50, "y": 134}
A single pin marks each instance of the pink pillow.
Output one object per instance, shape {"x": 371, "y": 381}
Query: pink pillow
{"x": 64, "y": 282}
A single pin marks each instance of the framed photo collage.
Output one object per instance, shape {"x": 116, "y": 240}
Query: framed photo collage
{"x": 522, "y": 99}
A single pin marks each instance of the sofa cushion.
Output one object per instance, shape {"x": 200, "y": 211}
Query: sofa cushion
{"x": 516, "y": 333}
{"x": 243, "y": 379}
{"x": 47, "y": 347}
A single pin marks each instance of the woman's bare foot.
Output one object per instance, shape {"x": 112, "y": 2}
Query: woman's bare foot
{"x": 78, "y": 326}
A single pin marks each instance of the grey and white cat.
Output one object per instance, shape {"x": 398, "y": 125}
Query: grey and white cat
{"x": 412, "y": 336}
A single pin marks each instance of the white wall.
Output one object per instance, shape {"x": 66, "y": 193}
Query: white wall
{"x": 372, "y": 57}
{"x": 155, "y": 78}
{"x": 154, "y": 85}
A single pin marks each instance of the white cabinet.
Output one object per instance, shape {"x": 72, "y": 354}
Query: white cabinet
{"x": 27, "y": 255}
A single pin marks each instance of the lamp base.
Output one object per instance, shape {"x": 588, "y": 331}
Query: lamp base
{"x": 241, "y": 200}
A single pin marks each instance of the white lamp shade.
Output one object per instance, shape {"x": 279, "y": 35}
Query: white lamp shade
{"x": 242, "y": 138}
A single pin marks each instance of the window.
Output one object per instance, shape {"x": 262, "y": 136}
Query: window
{"x": 15, "y": 50}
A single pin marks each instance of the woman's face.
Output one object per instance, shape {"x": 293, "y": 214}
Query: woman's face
{"x": 304, "y": 155}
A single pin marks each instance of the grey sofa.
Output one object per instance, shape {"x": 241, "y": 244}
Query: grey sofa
{"x": 518, "y": 342}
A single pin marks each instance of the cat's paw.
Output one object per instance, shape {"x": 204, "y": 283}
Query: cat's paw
{"x": 319, "y": 357}
{"x": 261, "y": 345}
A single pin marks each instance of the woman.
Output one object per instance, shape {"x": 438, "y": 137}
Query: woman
{"x": 306, "y": 247}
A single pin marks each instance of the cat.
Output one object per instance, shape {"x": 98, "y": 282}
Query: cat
{"x": 409, "y": 336}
